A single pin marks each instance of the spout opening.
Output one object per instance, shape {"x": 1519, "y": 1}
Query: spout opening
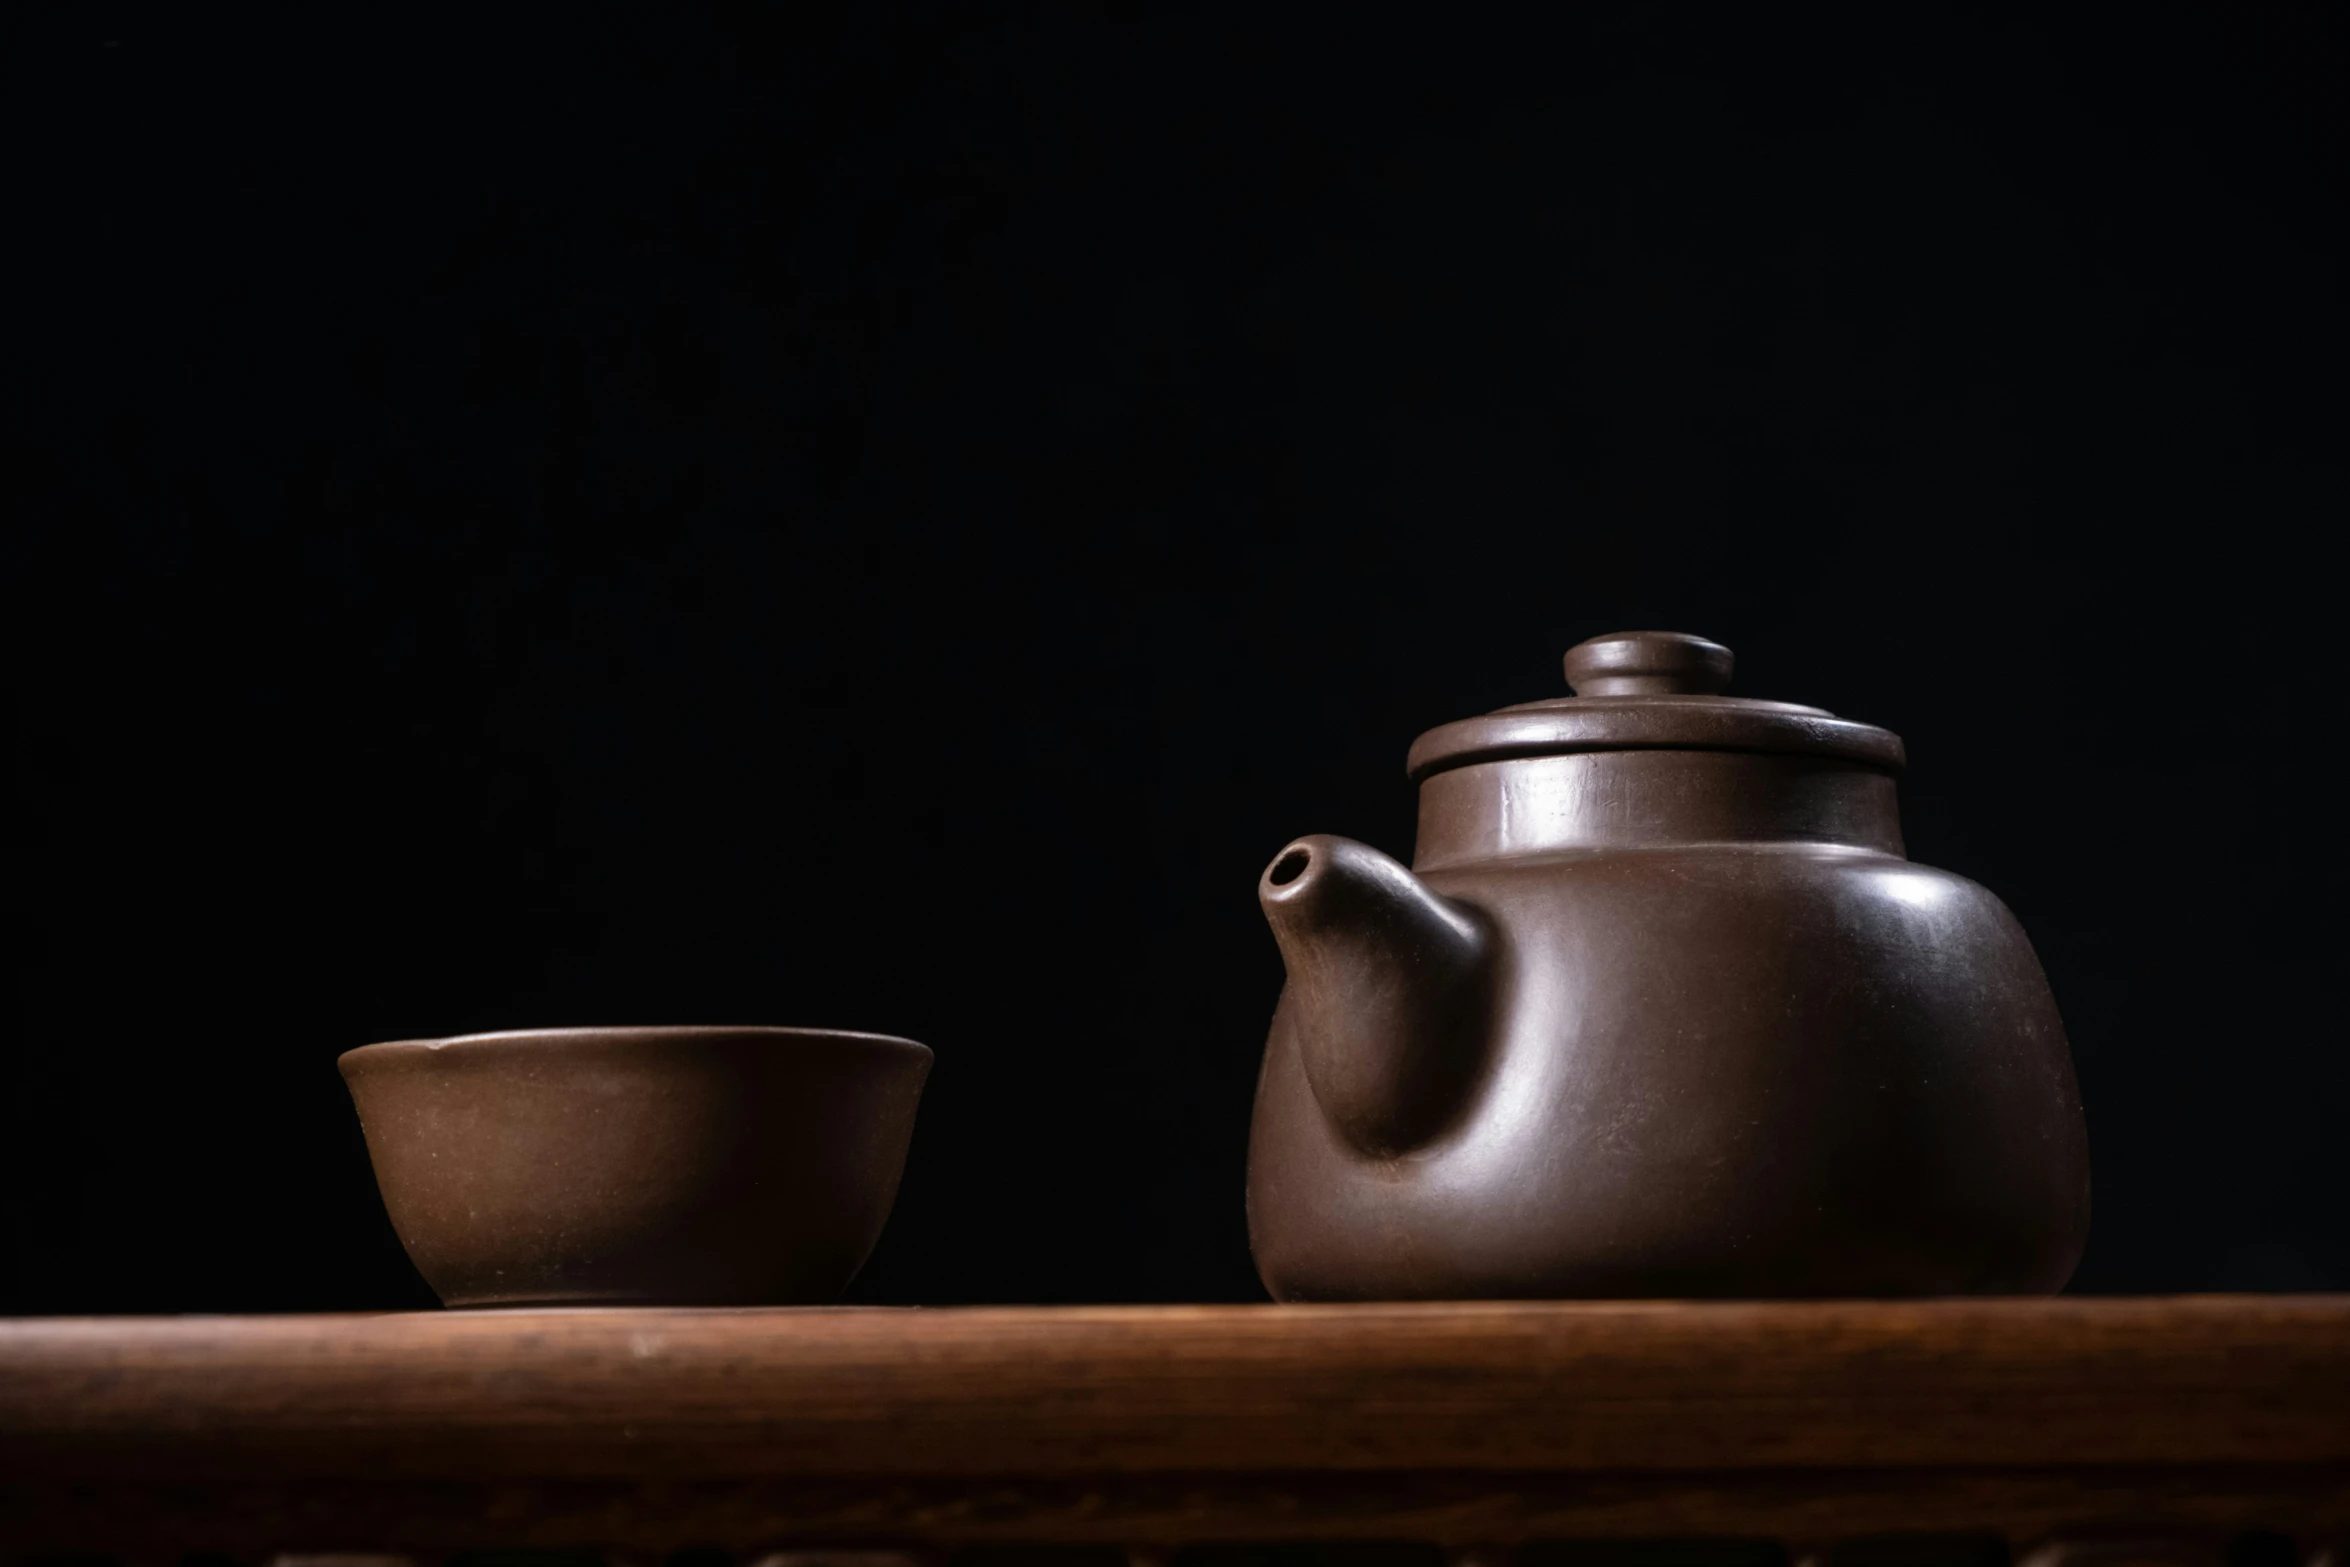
{"x": 1292, "y": 864}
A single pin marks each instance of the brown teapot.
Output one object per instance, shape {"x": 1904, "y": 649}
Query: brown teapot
{"x": 1660, "y": 1009}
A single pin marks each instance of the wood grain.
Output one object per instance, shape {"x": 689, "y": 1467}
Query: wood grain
{"x": 652, "y": 1517}
{"x": 921, "y": 1395}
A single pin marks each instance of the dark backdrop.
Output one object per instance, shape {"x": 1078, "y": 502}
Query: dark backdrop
{"x": 890, "y": 519}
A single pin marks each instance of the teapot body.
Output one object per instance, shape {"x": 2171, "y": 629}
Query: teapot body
{"x": 1733, "y": 1043}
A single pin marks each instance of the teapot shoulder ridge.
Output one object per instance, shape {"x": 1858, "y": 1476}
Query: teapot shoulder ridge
{"x": 1613, "y": 861}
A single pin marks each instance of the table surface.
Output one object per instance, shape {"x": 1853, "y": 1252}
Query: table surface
{"x": 1624, "y": 1388}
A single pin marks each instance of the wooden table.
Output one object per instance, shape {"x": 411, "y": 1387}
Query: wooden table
{"x": 2160, "y": 1427}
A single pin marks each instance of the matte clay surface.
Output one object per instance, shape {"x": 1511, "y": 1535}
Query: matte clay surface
{"x": 1661, "y": 1010}
{"x": 681, "y": 1166}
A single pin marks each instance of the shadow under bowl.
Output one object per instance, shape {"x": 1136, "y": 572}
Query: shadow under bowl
{"x": 639, "y": 1166}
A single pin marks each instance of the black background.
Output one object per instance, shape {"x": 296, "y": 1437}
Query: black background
{"x": 890, "y": 518}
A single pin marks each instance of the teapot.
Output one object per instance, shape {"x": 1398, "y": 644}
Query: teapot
{"x": 1660, "y": 1008}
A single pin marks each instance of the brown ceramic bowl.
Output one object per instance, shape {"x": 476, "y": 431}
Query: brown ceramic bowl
{"x": 639, "y": 1166}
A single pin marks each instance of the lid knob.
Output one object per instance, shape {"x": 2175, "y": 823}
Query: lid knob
{"x": 1647, "y": 663}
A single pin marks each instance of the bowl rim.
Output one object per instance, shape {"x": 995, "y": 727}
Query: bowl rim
{"x": 386, "y": 1050}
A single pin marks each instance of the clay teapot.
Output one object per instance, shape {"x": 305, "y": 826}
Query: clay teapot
{"x": 1660, "y": 1009}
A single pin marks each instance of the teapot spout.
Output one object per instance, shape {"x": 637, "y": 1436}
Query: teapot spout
{"x": 1388, "y": 989}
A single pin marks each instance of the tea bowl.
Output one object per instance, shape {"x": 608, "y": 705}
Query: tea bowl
{"x": 639, "y": 1166}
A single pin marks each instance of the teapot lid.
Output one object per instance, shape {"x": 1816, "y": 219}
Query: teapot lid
{"x": 1650, "y": 690}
